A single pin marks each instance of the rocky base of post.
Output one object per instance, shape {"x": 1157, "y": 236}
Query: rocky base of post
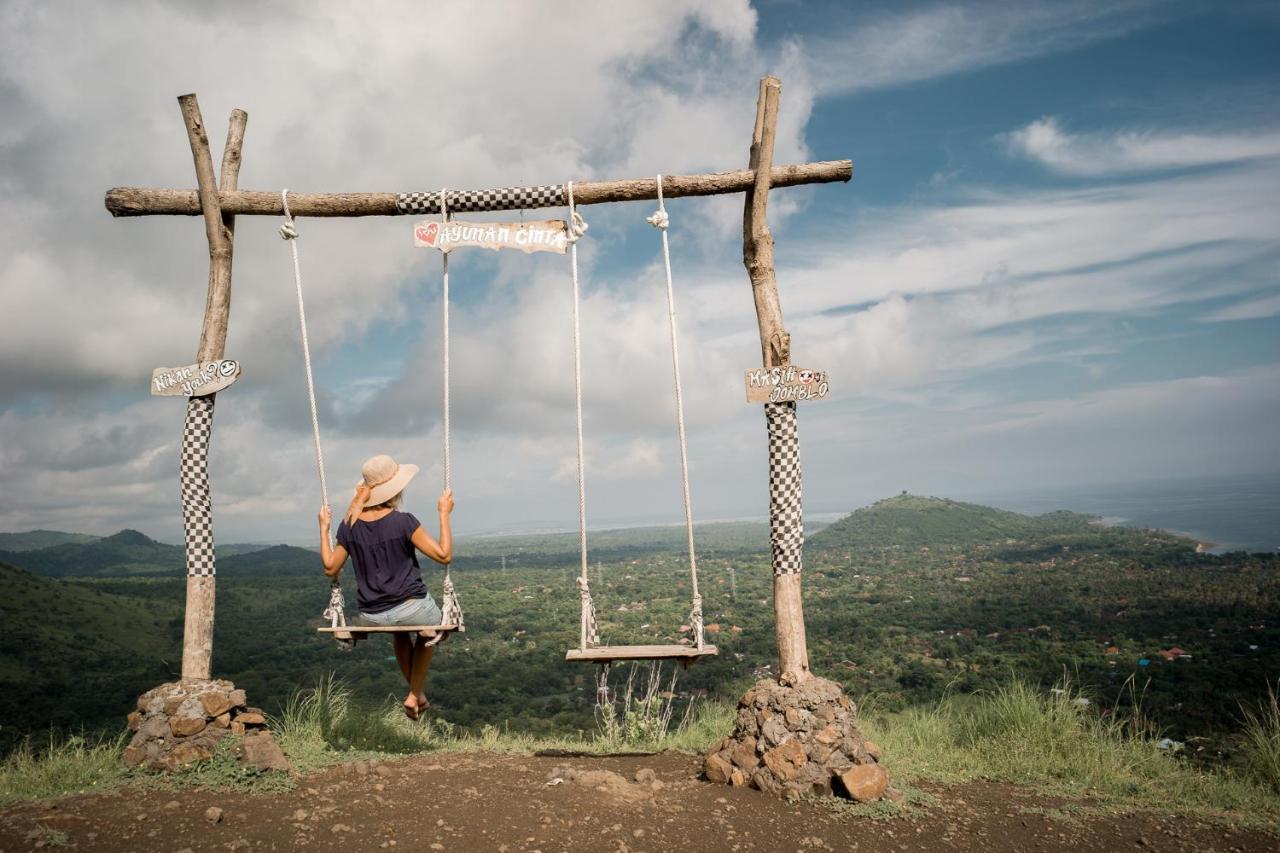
{"x": 801, "y": 740}
{"x": 181, "y": 723}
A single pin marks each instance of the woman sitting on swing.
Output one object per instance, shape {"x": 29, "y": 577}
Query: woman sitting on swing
{"x": 383, "y": 543}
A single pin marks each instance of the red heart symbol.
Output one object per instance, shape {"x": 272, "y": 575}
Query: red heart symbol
{"x": 427, "y": 233}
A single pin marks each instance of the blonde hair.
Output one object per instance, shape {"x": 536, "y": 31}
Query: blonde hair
{"x": 392, "y": 502}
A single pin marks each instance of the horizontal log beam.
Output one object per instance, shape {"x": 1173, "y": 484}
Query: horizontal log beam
{"x": 143, "y": 201}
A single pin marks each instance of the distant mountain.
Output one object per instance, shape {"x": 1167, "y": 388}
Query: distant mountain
{"x": 276, "y": 561}
{"x": 125, "y": 553}
{"x": 911, "y": 521}
{"x": 35, "y": 539}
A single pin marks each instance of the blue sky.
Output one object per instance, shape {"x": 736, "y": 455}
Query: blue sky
{"x": 1058, "y": 262}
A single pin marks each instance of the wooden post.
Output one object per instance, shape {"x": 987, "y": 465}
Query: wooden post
{"x": 197, "y": 638}
{"x": 785, "y": 531}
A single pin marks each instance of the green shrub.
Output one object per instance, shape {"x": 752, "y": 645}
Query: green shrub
{"x": 642, "y": 717}
{"x": 1261, "y": 736}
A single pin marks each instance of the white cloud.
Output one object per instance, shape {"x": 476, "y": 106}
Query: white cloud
{"x": 880, "y": 51}
{"x": 1250, "y": 309}
{"x": 431, "y": 100}
{"x": 1110, "y": 153}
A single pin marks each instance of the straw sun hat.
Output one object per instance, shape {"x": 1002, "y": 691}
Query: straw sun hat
{"x": 385, "y": 478}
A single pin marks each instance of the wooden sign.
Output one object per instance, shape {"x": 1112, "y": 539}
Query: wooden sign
{"x": 549, "y": 236}
{"x": 195, "y": 380}
{"x": 783, "y": 384}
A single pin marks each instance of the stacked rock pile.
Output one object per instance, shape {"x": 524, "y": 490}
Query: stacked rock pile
{"x": 182, "y": 722}
{"x": 800, "y": 740}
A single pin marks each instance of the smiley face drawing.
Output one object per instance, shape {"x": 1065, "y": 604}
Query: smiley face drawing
{"x": 806, "y": 376}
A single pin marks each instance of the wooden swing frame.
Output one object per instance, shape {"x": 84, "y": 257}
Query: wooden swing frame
{"x": 220, "y": 202}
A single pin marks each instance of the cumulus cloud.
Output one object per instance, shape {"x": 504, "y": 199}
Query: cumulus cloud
{"x": 903, "y": 305}
{"x": 429, "y": 105}
{"x": 1093, "y": 154}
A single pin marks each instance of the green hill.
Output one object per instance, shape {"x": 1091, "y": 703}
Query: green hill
{"x": 911, "y": 521}
{"x": 276, "y": 561}
{"x": 66, "y": 639}
{"x": 125, "y": 553}
{"x": 33, "y": 540}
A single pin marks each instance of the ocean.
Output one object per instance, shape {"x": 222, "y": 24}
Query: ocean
{"x": 1234, "y": 513}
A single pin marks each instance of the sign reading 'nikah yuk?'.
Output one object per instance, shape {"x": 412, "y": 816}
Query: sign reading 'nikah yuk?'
{"x": 194, "y": 380}
{"x": 784, "y": 384}
{"x": 549, "y": 236}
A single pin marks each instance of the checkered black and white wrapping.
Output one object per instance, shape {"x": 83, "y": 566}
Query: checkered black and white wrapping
{"x": 786, "y": 524}
{"x": 464, "y": 201}
{"x": 197, "y": 508}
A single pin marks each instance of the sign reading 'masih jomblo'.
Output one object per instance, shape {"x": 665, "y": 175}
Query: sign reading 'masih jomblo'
{"x": 785, "y": 384}
{"x": 194, "y": 380}
{"x": 548, "y": 236}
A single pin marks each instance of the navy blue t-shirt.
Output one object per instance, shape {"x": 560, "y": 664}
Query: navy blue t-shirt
{"x": 387, "y": 570}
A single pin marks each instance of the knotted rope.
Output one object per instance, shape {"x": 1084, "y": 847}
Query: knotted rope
{"x": 335, "y": 612}
{"x": 660, "y": 220}
{"x": 588, "y": 634}
{"x": 451, "y": 607}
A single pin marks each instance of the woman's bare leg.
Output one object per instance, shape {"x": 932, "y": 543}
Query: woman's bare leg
{"x": 403, "y": 645}
{"x": 422, "y": 655}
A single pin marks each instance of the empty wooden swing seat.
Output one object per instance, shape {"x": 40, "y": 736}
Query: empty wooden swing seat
{"x": 607, "y": 654}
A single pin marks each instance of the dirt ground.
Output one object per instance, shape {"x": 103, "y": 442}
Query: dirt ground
{"x": 521, "y": 803}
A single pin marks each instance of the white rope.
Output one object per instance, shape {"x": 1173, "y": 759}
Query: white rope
{"x": 661, "y": 220}
{"x": 289, "y": 233}
{"x": 444, "y": 311}
{"x": 451, "y": 607}
{"x": 588, "y": 633}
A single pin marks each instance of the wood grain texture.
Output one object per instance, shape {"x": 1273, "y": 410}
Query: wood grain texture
{"x": 775, "y": 349}
{"x": 150, "y": 201}
{"x": 197, "y": 635}
{"x": 197, "y": 631}
{"x": 757, "y": 239}
{"x": 603, "y": 654}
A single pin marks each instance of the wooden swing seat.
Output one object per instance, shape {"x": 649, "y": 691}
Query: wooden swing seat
{"x": 361, "y": 632}
{"x": 607, "y": 654}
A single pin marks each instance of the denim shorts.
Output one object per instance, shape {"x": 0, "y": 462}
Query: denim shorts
{"x": 412, "y": 611}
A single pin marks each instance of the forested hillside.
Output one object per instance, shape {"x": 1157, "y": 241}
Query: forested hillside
{"x": 909, "y": 521}
{"x": 905, "y": 600}
{"x": 75, "y": 654}
{"x": 33, "y": 539}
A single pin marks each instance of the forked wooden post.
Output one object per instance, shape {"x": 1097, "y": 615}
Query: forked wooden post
{"x": 197, "y": 636}
{"x": 786, "y": 532}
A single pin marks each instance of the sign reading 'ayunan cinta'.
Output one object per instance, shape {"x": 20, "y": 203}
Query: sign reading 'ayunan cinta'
{"x": 784, "y": 384}
{"x": 194, "y": 380}
{"x": 549, "y": 236}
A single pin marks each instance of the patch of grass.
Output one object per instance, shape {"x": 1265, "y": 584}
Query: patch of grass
{"x": 60, "y": 767}
{"x": 642, "y": 716}
{"x": 1261, "y": 737}
{"x": 325, "y": 725}
{"x": 1020, "y": 734}
{"x": 223, "y": 772}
